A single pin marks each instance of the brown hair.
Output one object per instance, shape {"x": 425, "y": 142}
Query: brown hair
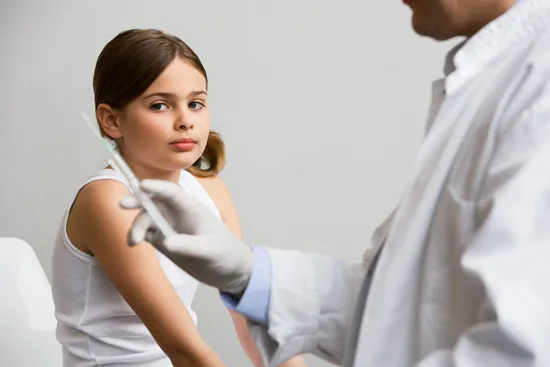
{"x": 131, "y": 62}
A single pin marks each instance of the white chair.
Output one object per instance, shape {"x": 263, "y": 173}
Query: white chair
{"x": 27, "y": 322}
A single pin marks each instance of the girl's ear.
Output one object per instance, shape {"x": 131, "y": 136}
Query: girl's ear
{"x": 108, "y": 120}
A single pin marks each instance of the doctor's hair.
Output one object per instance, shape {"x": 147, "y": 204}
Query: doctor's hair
{"x": 131, "y": 62}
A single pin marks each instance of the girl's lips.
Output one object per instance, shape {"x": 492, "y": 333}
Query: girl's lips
{"x": 184, "y": 145}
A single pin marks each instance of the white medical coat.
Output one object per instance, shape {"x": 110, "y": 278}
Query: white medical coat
{"x": 463, "y": 278}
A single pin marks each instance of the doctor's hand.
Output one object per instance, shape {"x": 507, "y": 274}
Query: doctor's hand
{"x": 203, "y": 246}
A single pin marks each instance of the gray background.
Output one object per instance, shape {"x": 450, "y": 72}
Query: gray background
{"x": 321, "y": 103}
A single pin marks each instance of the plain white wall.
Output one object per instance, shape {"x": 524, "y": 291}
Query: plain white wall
{"x": 321, "y": 103}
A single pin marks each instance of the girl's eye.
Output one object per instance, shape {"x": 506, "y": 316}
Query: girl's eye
{"x": 196, "y": 105}
{"x": 159, "y": 106}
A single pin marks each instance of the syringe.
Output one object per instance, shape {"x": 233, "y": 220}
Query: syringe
{"x": 119, "y": 164}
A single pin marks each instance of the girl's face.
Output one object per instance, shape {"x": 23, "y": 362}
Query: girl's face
{"x": 166, "y": 128}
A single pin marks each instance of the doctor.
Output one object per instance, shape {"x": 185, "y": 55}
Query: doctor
{"x": 459, "y": 274}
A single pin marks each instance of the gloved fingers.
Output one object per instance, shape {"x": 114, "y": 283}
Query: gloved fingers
{"x": 141, "y": 229}
{"x": 177, "y": 245}
{"x": 129, "y": 202}
{"x": 192, "y": 246}
{"x": 173, "y": 196}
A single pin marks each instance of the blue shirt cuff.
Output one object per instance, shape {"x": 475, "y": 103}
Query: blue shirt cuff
{"x": 254, "y": 304}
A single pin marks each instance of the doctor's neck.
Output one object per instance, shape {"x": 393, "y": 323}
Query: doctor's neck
{"x": 484, "y": 13}
{"x": 446, "y": 19}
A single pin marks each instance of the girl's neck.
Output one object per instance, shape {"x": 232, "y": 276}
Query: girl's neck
{"x": 144, "y": 172}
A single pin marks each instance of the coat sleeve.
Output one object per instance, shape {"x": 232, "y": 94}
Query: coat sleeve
{"x": 313, "y": 304}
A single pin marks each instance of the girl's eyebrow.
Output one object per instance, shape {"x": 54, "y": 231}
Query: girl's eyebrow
{"x": 173, "y": 96}
{"x": 161, "y": 94}
{"x": 197, "y": 93}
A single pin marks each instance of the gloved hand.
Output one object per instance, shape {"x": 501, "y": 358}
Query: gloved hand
{"x": 203, "y": 246}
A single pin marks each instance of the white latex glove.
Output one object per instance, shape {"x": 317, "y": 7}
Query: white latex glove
{"x": 203, "y": 246}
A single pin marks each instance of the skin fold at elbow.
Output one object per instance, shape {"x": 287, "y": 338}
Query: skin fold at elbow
{"x": 196, "y": 356}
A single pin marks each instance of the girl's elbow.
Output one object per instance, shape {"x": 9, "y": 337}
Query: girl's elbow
{"x": 198, "y": 355}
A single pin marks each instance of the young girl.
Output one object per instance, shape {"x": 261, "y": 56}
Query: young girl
{"x": 123, "y": 306}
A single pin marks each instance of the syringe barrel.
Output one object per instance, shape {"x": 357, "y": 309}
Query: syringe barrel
{"x": 148, "y": 205}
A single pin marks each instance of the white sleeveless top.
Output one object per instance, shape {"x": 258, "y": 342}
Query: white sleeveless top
{"x": 95, "y": 324}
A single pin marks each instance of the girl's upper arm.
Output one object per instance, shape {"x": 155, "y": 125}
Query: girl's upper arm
{"x": 136, "y": 271}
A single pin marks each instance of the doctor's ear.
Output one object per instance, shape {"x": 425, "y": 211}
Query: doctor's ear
{"x": 109, "y": 121}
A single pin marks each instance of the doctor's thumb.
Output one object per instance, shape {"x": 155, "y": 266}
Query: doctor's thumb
{"x": 129, "y": 202}
{"x": 143, "y": 229}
